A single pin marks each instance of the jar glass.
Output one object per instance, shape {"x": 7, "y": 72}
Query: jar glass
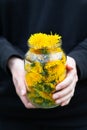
{"x": 45, "y": 68}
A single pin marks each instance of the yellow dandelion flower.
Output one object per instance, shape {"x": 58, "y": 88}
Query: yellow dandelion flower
{"x": 50, "y": 78}
{"x": 63, "y": 60}
{"x": 44, "y": 95}
{"x": 62, "y": 76}
{"x": 27, "y": 66}
{"x": 52, "y": 64}
{"x": 55, "y": 72}
{"x": 37, "y": 68}
{"x": 61, "y": 68}
{"x": 41, "y": 40}
{"x": 33, "y": 67}
{"x": 32, "y": 78}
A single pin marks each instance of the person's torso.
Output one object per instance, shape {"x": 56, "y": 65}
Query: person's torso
{"x": 20, "y": 19}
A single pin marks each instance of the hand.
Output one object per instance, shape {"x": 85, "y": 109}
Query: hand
{"x": 65, "y": 89}
{"x": 16, "y": 66}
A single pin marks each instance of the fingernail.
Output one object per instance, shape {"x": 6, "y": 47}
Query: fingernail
{"x": 23, "y": 92}
{"x": 55, "y": 96}
{"x": 58, "y": 87}
{"x": 58, "y": 101}
{"x": 62, "y": 105}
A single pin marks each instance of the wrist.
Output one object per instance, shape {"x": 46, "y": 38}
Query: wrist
{"x": 12, "y": 62}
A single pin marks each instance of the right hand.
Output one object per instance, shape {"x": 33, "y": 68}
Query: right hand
{"x": 16, "y": 66}
{"x": 65, "y": 89}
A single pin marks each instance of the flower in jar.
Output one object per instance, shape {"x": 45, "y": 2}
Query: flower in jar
{"x": 41, "y": 40}
{"x": 33, "y": 78}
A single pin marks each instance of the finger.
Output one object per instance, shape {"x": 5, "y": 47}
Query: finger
{"x": 69, "y": 67}
{"x": 21, "y": 91}
{"x": 64, "y": 99}
{"x": 66, "y": 82}
{"x": 20, "y": 86}
{"x": 70, "y": 63}
{"x": 76, "y": 78}
{"x": 24, "y": 99}
{"x": 66, "y": 102}
{"x": 64, "y": 91}
{"x": 26, "y": 103}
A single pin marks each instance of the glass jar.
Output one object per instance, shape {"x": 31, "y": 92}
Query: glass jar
{"x": 45, "y": 68}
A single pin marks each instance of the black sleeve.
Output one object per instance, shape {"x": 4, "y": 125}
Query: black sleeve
{"x": 80, "y": 55}
{"x": 7, "y": 51}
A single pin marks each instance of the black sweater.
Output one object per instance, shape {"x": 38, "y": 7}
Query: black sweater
{"x": 21, "y": 18}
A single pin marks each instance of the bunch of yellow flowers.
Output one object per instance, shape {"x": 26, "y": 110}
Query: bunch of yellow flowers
{"x": 45, "y": 68}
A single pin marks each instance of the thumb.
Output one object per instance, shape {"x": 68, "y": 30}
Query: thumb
{"x": 23, "y": 88}
{"x": 23, "y": 91}
{"x": 20, "y": 86}
{"x": 69, "y": 63}
{"x": 68, "y": 67}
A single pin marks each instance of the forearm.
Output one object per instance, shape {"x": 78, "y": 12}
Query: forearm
{"x": 6, "y": 52}
{"x": 14, "y": 63}
{"x": 79, "y": 53}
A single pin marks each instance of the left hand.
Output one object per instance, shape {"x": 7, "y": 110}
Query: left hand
{"x": 65, "y": 89}
{"x": 16, "y": 67}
